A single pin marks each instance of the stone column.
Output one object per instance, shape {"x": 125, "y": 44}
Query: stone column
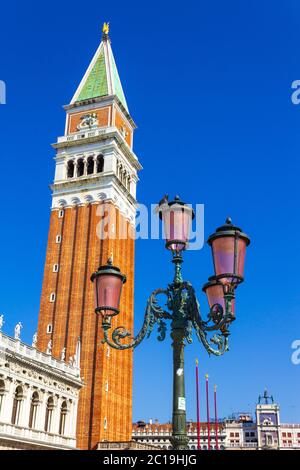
{"x": 25, "y": 407}
{"x": 75, "y": 410}
{"x": 7, "y": 404}
{"x": 40, "y": 422}
{"x": 56, "y": 415}
{"x": 72, "y": 419}
{"x": 40, "y": 412}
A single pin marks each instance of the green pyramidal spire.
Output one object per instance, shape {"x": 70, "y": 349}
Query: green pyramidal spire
{"x": 102, "y": 77}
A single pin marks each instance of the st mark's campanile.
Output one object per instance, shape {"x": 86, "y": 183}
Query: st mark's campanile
{"x": 95, "y": 169}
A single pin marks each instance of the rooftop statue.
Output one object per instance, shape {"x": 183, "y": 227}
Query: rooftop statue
{"x": 18, "y": 330}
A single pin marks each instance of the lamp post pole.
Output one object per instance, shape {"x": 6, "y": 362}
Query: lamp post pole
{"x": 198, "y": 406}
{"x": 179, "y": 438}
{"x": 228, "y": 246}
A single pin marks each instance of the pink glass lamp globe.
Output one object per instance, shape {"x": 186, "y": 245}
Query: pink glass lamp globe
{"x": 229, "y": 245}
{"x": 108, "y": 282}
{"x": 177, "y": 218}
{"x": 214, "y": 291}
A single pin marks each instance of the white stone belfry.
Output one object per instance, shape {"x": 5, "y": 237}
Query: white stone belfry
{"x": 95, "y": 160}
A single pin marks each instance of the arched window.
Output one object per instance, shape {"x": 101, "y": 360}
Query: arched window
{"x": 63, "y": 417}
{"x": 70, "y": 169}
{"x": 90, "y": 166}
{"x": 49, "y": 414}
{"x": 17, "y": 404}
{"x": 100, "y": 164}
{"x": 33, "y": 410}
{"x": 80, "y": 167}
{"x": 2, "y": 391}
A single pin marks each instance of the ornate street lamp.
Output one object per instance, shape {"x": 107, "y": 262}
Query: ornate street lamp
{"x": 228, "y": 247}
{"x": 108, "y": 282}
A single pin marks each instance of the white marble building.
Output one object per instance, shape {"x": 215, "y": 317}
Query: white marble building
{"x": 38, "y": 397}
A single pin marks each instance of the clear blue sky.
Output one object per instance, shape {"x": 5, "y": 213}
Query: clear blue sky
{"x": 209, "y": 86}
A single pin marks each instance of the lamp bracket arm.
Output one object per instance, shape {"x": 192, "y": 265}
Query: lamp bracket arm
{"x": 153, "y": 314}
{"x": 193, "y": 306}
{"x": 217, "y": 319}
{"x": 221, "y": 319}
{"x": 220, "y": 340}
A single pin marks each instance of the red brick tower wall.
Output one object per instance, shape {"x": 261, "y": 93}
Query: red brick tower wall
{"x": 107, "y": 393}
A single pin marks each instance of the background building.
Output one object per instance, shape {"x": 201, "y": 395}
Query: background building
{"x": 272, "y": 434}
{"x": 268, "y": 423}
{"x": 38, "y": 398}
{"x": 234, "y": 433}
{"x": 159, "y": 435}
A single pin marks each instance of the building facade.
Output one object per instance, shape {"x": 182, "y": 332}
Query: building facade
{"x": 236, "y": 433}
{"x": 38, "y": 398}
{"x": 92, "y": 218}
{"x": 159, "y": 435}
{"x": 272, "y": 434}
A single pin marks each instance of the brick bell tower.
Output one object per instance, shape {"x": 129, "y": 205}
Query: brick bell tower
{"x": 96, "y": 169}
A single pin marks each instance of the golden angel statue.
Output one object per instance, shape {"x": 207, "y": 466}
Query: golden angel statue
{"x": 105, "y": 28}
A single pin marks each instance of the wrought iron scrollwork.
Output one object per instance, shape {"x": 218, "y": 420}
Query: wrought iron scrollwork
{"x": 153, "y": 314}
{"x": 185, "y": 313}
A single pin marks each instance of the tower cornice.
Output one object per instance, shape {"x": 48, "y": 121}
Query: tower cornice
{"x": 87, "y": 184}
{"x": 83, "y": 138}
